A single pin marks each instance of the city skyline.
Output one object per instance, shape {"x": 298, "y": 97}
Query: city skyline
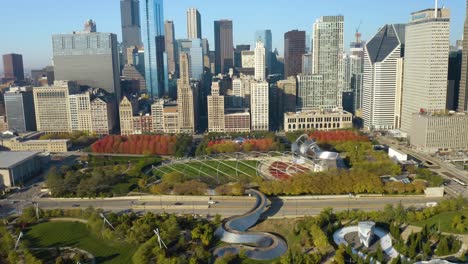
{"x": 107, "y": 16}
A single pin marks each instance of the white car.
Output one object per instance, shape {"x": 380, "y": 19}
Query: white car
{"x": 212, "y": 202}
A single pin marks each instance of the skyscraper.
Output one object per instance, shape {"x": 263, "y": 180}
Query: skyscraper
{"x": 215, "y": 110}
{"x": 19, "y": 106}
{"x": 13, "y": 67}
{"x": 294, "y": 48}
{"x": 426, "y": 64}
{"x": 194, "y": 30}
{"x": 224, "y": 46}
{"x": 152, "y": 27}
{"x": 323, "y": 89}
{"x": 126, "y": 117}
{"x": 266, "y": 37}
{"x": 259, "y": 106}
{"x": 327, "y": 59}
{"x": 52, "y": 107}
{"x": 131, "y": 29}
{"x": 196, "y": 60}
{"x": 88, "y": 57}
{"x": 382, "y": 77}
{"x": 238, "y": 54}
{"x": 463, "y": 93}
{"x": 185, "y": 107}
{"x": 260, "y": 59}
{"x": 170, "y": 47}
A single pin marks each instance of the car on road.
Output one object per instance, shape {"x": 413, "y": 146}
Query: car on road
{"x": 75, "y": 205}
{"x": 14, "y": 202}
{"x": 178, "y": 203}
{"x": 212, "y": 202}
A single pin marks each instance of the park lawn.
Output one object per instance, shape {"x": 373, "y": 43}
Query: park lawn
{"x": 191, "y": 169}
{"x": 444, "y": 220}
{"x": 75, "y": 234}
{"x": 283, "y": 227}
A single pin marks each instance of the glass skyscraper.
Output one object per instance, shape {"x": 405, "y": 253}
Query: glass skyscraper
{"x": 152, "y": 28}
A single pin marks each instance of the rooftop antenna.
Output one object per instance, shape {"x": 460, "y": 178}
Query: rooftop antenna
{"x": 18, "y": 240}
{"x": 107, "y": 221}
{"x": 160, "y": 241}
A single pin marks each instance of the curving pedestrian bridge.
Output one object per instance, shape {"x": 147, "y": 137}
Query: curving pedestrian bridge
{"x": 256, "y": 245}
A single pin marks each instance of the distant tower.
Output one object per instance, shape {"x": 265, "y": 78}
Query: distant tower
{"x": 126, "y": 117}
{"x": 13, "y": 67}
{"x": 91, "y": 58}
{"x": 152, "y": 27}
{"x": 463, "y": 94}
{"x": 427, "y": 48}
{"x": 383, "y": 55}
{"x": 185, "y": 96}
{"x": 259, "y": 106}
{"x": 90, "y": 26}
{"x": 170, "y": 46}
{"x": 194, "y": 30}
{"x": 260, "y": 59}
{"x": 216, "y": 122}
{"x": 327, "y": 59}
{"x": 131, "y": 28}
{"x": 266, "y": 37}
{"x": 224, "y": 47}
{"x": 294, "y": 48}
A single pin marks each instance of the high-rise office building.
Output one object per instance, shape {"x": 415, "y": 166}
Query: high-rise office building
{"x": 260, "y": 62}
{"x": 454, "y": 76}
{"x": 152, "y": 27}
{"x": 215, "y": 110}
{"x": 327, "y": 60}
{"x": 259, "y": 106}
{"x": 426, "y": 64}
{"x": 131, "y": 29}
{"x": 383, "y": 55}
{"x": 356, "y": 70}
{"x": 307, "y": 64}
{"x": 185, "y": 107}
{"x": 194, "y": 30}
{"x": 170, "y": 47}
{"x": 265, "y": 37}
{"x": 463, "y": 93}
{"x": 323, "y": 88}
{"x": 103, "y": 116}
{"x": 19, "y": 108}
{"x": 80, "y": 112}
{"x": 196, "y": 60}
{"x": 238, "y": 54}
{"x": 294, "y": 48}
{"x": 126, "y": 117}
{"x": 13, "y": 67}
{"x": 224, "y": 46}
{"x": 52, "y": 108}
{"x": 88, "y": 57}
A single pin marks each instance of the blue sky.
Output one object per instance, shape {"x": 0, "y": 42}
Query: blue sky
{"x": 29, "y": 24}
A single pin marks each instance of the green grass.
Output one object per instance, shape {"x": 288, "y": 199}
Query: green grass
{"x": 74, "y": 234}
{"x": 444, "y": 220}
{"x": 208, "y": 170}
{"x": 96, "y": 161}
{"x": 283, "y": 227}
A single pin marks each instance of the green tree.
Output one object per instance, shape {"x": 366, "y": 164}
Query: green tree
{"x": 443, "y": 247}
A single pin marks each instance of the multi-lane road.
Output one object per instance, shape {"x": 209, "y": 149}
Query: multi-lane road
{"x": 225, "y": 206}
{"x": 444, "y": 169}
